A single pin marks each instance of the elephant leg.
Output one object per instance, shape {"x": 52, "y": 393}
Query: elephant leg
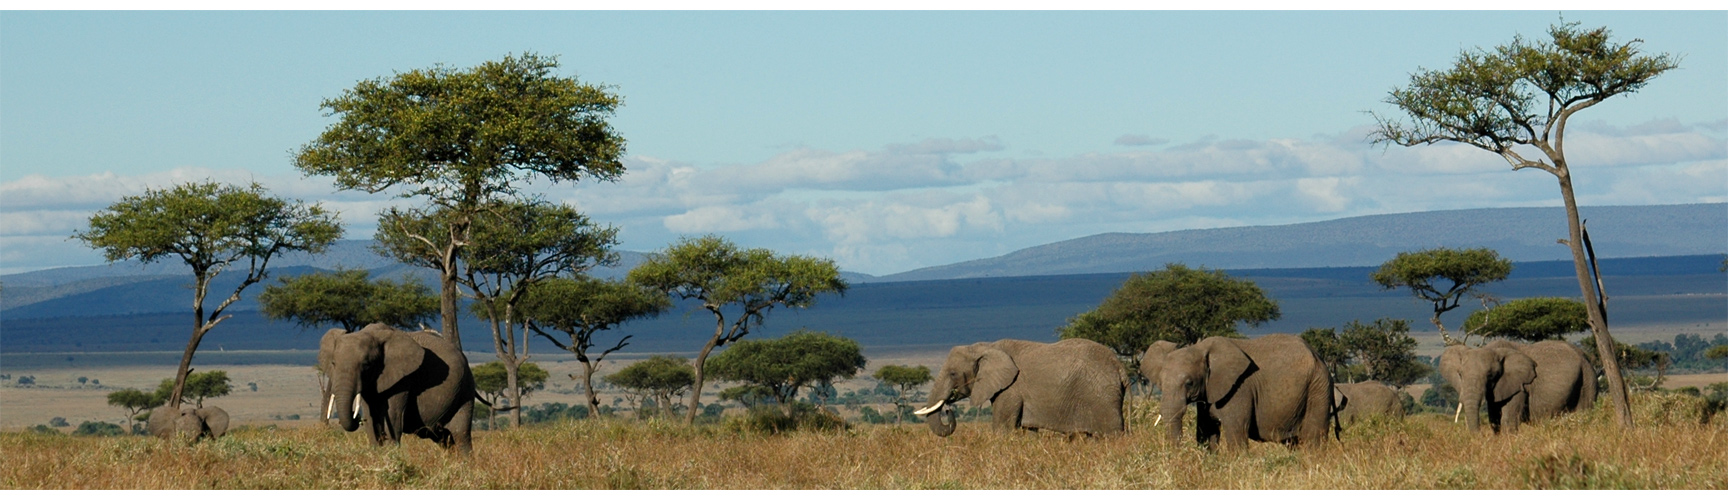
{"x": 395, "y": 415}
{"x": 461, "y": 427}
{"x": 1233, "y": 427}
{"x": 1205, "y": 426}
{"x": 1514, "y": 412}
{"x": 1006, "y": 411}
{"x": 1494, "y": 416}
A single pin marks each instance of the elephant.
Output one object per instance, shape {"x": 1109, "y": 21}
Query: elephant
{"x": 1273, "y": 388}
{"x": 1518, "y": 382}
{"x": 1074, "y": 386}
{"x": 188, "y": 423}
{"x": 413, "y": 382}
{"x": 1355, "y": 402}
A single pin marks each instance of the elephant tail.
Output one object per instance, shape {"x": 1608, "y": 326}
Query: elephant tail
{"x": 489, "y": 404}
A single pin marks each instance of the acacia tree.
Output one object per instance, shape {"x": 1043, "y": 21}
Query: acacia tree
{"x": 1461, "y": 269}
{"x": 135, "y": 402}
{"x": 211, "y": 228}
{"x": 782, "y": 366}
{"x": 463, "y": 139}
{"x": 1177, "y": 304}
{"x": 658, "y": 377}
{"x": 1515, "y": 102}
{"x": 1532, "y": 319}
{"x": 199, "y": 386}
{"x": 1385, "y": 350}
{"x": 581, "y": 307}
{"x": 905, "y": 379}
{"x": 492, "y": 379}
{"x": 726, "y": 280}
{"x": 349, "y": 299}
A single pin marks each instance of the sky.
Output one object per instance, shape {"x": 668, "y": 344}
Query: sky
{"x": 887, "y": 141}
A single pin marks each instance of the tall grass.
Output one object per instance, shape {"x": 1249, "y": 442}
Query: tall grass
{"x": 1668, "y": 450}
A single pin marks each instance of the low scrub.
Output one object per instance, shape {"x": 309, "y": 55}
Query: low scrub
{"x": 1668, "y": 449}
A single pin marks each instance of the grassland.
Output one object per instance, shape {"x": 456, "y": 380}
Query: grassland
{"x": 1669, "y": 449}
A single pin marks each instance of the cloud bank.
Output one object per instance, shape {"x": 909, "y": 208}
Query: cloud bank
{"x": 903, "y": 206}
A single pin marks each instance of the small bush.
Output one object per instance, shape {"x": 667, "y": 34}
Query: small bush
{"x": 59, "y": 422}
{"x": 43, "y": 429}
{"x": 774, "y": 419}
{"x": 101, "y": 429}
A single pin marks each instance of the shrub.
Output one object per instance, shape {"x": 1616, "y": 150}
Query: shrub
{"x": 89, "y": 428}
{"x": 767, "y": 419}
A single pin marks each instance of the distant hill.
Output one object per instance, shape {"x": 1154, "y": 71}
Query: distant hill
{"x": 1519, "y": 234}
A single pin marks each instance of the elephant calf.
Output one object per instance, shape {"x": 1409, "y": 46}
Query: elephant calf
{"x": 188, "y": 423}
{"x": 1074, "y": 386}
{"x": 1273, "y": 388}
{"x": 1355, "y": 402}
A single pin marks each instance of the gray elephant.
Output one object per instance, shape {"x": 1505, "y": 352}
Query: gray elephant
{"x": 413, "y": 382}
{"x": 1518, "y": 382}
{"x": 1074, "y": 386}
{"x": 187, "y": 423}
{"x": 1355, "y": 402}
{"x": 1273, "y": 388}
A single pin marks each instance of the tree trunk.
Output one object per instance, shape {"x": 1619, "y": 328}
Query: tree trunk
{"x": 588, "y": 383}
{"x": 702, "y": 359}
{"x": 1592, "y": 304}
{"x": 447, "y": 304}
{"x": 198, "y": 330}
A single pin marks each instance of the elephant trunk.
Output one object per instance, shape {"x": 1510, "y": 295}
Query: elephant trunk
{"x": 939, "y": 408}
{"x": 1170, "y": 412}
{"x": 1470, "y": 402}
{"x": 942, "y": 421}
{"x": 343, "y": 401}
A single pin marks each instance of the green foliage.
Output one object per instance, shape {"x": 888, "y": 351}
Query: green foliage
{"x": 1330, "y": 349}
{"x": 1442, "y": 276}
{"x": 1440, "y": 397}
{"x": 1717, "y": 352}
{"x": 1631, "y": 357}
{"x": 44, "y": 429}
{"x": 800, "y": 359}
{"x": 583, "y": 306}
{"x": 199, "y": 386}
{"x": 906, "y": 379}
{"x": 136, "y": 401}
{"x": 100, "y": 429}
{"x": 659, "y": 377}
{"x": 348, "y": 299}
{"x": 728, "y": 280}
{"x": 1177, "y": 304}
{"x": 59, "y": 422}
{"x": 797, "y": 416}
{"x": 1532, "y": 319}
{"x": 1385, "y": 350}
{"x": 465, "y": 135}
{"x": 491, "y": 378}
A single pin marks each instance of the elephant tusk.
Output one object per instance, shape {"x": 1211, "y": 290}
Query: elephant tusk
{"x": 1459, "y": 411}
{"x": 329, "y": 406}
{"x": 1157, "y": 420}
{"x": 356, "y": 406}
{"x": 931, "y": 409}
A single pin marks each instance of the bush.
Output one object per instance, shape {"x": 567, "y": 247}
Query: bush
{"x": 59, "y": 422}
{"x": 775, "y": 419}
{"x": 43, "y": 429}
{"x": 103, "y": 429}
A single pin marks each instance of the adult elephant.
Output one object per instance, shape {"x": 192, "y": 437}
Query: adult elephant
{"x": 1518, "y": 382}
{"x": 413, "y": 382}
{"x": 1273, "y": 388}
{"x": 187, "y": 423}
{"x": 1074, "y": 386}
{"x": 1358, "y": 401}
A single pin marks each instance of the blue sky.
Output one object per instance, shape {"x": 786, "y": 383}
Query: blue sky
{"x": 885, "y": 140}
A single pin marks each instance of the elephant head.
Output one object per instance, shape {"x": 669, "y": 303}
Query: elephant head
{"x": 979, "y": 371}
{"x": 1152, "y": 362}
{"x": 372, "y": 361}
{"x": 1497, "y": 374}
{"x": 1205, "y": 373}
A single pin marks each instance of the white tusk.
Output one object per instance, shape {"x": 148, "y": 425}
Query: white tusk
{"x": 931, "y": 409}
{"x": 1456, "y": 413}
{"x": 356, "y": 406}
{"x": 329, "y": 406}
{"x": 1157, "y": 420}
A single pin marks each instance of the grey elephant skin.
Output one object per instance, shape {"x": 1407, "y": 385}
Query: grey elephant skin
{"x": 1273, "y": 388}
{"x": 1518, "y": 383}
{"x": 1358, "y": 401}
{"x": 413, "y": 382}
{"x": 1074, "y": 386}
{"x": 190, "y": 424}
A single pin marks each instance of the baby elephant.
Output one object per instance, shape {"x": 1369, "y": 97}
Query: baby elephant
{"x": 1358, "y": 401}
{"x": 188, "y": 423}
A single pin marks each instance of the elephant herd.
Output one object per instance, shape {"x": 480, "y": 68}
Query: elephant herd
{"x": 1271, "y": 389}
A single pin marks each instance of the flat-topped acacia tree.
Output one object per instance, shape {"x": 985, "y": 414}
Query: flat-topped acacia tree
{"x": 462, "y": 139}
{"x": 1515, "y": 101}
{"x": 212, "y": 228}
{"x": 727, "y": 280}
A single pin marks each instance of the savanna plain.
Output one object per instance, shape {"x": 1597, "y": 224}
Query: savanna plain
{"x": 1668, "y": 449}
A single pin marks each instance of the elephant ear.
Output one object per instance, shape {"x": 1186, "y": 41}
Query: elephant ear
{"x": 1226, "y": 364}
{"x": 995, "y": 372}
{"x": 402, "y": 356}
{"x": 1517, "y": 370}
{"x": 1152, "y": 362}
{"x": 215, "y": 419}
{"x": 327, "y": 347}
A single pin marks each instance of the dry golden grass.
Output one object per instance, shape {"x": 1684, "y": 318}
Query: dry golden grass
{"x": 1668, "y": 450}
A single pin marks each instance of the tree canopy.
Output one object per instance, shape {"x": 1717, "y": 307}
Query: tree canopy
{"x": 727, "y": 280}
{"x": 1443, "y": 276}
{"x": 349, "y": 299}
{"x": 199, "y": 386}
{"x": 211, "y": 227}
{"x": 462, "y": 139}
{"x": 1380, "y": 350}
{"x": 782, "y": 366}
{"x": 581, "y": 307}
{"x": 490, "y": 378}
{"x": 659, "y": 377}
{"x": 1177, "y": 304}
{"x": 1515, "y": 101}
{"x": 1531, "y": 319}
{"x": 905, "y": 379}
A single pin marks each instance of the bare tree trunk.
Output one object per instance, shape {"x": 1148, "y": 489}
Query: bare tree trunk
{"x": 588, "y": 383}
{"x": 702, "y": 359}
{"x": 1593, "y": 305}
